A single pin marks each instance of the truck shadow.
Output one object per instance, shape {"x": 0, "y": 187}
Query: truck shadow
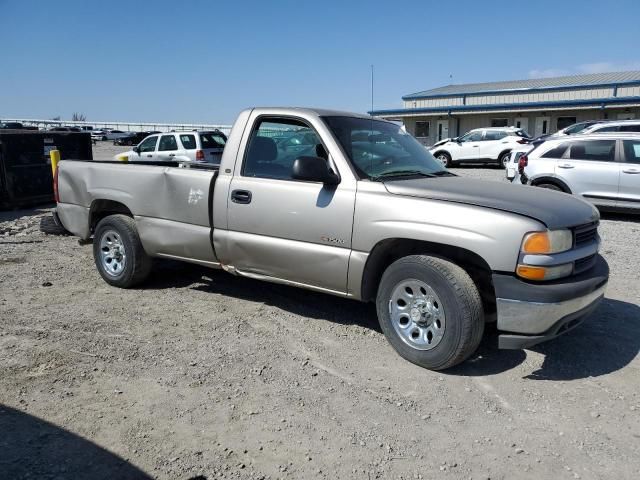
{"x": 605, "y": 342}
{"x": 307, "y": 303}
{"x": 34, "y": 448}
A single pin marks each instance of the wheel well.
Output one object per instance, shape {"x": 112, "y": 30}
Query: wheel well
{"x": 555, "y": 181}
{"x": 388, "y": 251}
{"x": 441, "y": 151}
{"x": 503, "y": 152}
{"x": 103, "y": 208}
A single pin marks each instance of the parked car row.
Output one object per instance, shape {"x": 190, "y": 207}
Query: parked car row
{"x": 193, "y": 146}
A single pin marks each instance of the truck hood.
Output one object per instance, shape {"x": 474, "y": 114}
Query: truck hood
{"x": 554, "y": 209}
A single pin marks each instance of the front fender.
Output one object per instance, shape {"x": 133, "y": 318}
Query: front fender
{"x": 493, "y": 235}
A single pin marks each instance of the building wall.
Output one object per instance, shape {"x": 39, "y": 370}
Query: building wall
{"x": 459, "y": 125}
{"x": 524, "y": 97}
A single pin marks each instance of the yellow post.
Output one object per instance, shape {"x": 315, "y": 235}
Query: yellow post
{"x": 55, "y": 158}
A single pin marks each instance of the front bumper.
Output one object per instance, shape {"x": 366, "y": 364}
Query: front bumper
{"x": 530, "y": 313}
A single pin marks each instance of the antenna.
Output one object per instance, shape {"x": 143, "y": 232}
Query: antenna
{"x": 372, "y": 87}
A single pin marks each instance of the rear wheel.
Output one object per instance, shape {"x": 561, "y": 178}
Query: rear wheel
{"x": 504, "y": 159}
{"x": 118, "y": 252}
{"x": 430, "y": 311}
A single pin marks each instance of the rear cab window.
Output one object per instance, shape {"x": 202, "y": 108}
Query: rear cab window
{"x": 167, "y": 143}
{"x": 212, "y": 140}
{"x": 188, "y": 142}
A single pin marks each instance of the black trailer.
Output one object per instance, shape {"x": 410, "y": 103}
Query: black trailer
{"x": 25, "y": 165}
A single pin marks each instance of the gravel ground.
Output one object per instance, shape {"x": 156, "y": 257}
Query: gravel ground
{"x": 199, "y": 374}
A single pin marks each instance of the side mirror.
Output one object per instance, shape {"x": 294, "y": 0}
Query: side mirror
{"x": 314, "y": 169}
{"x": 136, "y": 149}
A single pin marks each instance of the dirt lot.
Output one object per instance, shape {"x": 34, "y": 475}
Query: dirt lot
{"x": 200, "y": 374}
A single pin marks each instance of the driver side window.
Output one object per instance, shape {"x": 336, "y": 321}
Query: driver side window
{"x": 472, "y": 137}
{"x": 148, "y": 144}
{"x": 275, "y": 144}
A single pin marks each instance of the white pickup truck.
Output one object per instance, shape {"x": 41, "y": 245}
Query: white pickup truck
{"x": 352, "y": 206}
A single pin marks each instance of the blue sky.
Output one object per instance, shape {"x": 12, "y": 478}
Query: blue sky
{"x": 203, "y": 61}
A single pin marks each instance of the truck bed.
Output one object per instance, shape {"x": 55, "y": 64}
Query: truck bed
{"x": 171, "y": 202}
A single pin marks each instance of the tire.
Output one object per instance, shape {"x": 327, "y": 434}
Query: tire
{"x": 104, "y": 138}
{"x": 51, "y": 226}
{"x": 503, "y": 159}
{"x": 122, "y": 270}
{"x": 550, "y": 186}
{"x": 449, "y": 297}
{"x": 445, "y": 159}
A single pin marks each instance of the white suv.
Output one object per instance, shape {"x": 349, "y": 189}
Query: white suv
{"x": 482, "y": 145}
{"x": 200, "y": 147}
{"x": 603, "y": 168}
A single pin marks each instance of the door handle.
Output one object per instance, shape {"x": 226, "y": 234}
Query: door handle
{"x": 149, "y": 155}
{"x": 172, "y": 154}
{"x": 475, "y": 146}
{"x": 241, "y": 196}
{"x": 632, "y": 171}
{"x": 566, "y": 165}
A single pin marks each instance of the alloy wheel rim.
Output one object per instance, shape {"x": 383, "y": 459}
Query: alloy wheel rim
{"x": 417, "y": 314}
{"x": 112, "y": 253}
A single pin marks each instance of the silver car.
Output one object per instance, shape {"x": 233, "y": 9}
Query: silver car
{"x": 604, "y": 168}
{"x": 621, "y": 126}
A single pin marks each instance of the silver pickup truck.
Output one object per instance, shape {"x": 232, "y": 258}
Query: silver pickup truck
{"x": 352, "y": 206}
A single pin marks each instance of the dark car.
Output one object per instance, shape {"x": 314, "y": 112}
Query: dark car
{"x": 65, "y": 129}
{"x": 11, "y": 126}
{"x": 134, "y": 138}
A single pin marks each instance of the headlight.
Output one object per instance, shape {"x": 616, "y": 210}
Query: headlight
{"x": 549, "y": 241}
{"x": 544, "y": 273}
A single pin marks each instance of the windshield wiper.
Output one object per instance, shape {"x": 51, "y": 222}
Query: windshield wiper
{"x": 401, "y": 173}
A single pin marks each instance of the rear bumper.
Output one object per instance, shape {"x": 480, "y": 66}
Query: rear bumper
{"x": 532, "y": 313}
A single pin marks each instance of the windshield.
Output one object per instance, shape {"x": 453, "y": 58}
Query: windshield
{"x": 380, "y": 150}
{"x": 578, "y": 127}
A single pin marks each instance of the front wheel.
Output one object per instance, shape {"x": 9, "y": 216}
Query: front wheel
{"x": 118, "y": 252}
{"x": 430, "y": 311}
{"x": 445, "y": 159}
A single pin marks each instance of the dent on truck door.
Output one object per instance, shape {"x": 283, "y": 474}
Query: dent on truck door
{"x": 283, "y": 228}
{"x": 173, "y": 213}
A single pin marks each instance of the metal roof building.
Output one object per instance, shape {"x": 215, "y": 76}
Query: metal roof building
{"x": 540, "y": 106}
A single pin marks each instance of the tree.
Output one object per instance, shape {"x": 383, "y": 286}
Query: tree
{"x": 78, "y": 117}
{"x": 56, "y": 118}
